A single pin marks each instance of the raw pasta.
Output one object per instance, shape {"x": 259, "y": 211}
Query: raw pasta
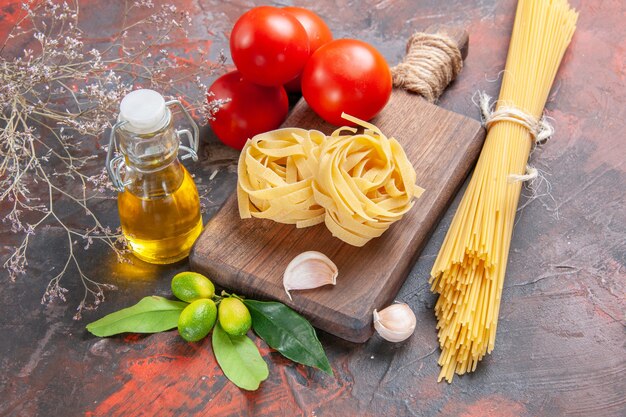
{"x": 357, "y": 184}
{"x": 468, "y": 273}
{"x": 274, "y": 177}
{"x": 364, "y": 181}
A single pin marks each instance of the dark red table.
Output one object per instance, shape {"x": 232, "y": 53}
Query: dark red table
{"x": 561, "y": 340}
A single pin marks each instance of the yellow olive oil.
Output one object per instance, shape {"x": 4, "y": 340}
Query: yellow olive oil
{"x": 160, "y": 214}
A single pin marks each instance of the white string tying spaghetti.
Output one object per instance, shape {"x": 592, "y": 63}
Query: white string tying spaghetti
{"x": 540, "y": 130}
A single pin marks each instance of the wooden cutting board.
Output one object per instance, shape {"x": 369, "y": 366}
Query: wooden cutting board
{"x": 249, "y": 256}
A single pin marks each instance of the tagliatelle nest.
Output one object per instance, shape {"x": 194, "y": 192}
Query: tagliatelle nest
{"x": 365, "y": 182}
{"x": 358, "y": 184}
{"x": 274, "y": 177}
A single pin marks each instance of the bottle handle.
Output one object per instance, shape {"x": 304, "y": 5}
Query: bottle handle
{"x": 114, "y": 164}
{"x": 191, "y": 153}
{"x": 193, "y": 139}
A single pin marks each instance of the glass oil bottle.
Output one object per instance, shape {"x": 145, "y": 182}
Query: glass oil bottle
{"x": 158, "y": 202}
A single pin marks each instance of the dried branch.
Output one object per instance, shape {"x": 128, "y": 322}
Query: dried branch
{"x": 56, "y": 99}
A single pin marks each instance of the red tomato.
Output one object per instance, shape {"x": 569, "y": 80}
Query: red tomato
{"x": 269, "y": 46}
{"x": 319, "y": 35}
{"x": 346, "y": 75}
{"x": 252, "y": 109}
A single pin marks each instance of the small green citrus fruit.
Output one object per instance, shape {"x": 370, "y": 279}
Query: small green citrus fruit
{"x": 197, "y": 320}
{"x": 234, "y": 316}
{"x": 191, "y": 286}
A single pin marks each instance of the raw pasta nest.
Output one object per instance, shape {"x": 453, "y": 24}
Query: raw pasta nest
{"x": 274, "y": 177}
{"x": 364, "y": 181}
{"x": 357, "y": 184}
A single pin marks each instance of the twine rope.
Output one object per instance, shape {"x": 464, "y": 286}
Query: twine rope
{"x": 432, "y": 61}
{"x": 540, "y": 130}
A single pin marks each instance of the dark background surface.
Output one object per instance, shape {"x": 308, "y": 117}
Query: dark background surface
{"x": 560, "y": 347}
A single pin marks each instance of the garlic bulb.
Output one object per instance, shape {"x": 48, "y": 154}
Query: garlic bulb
{"x": 309, "y": 270}
{"x": 395, "y": 323}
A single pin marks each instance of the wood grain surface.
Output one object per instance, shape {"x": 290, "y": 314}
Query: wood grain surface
{"x": 561, "y": 334}
{"x": 249, "y": 256}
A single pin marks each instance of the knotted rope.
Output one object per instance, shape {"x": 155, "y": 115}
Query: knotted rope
{"x": 540, "y": 130}
{"x": 432, "y": 61}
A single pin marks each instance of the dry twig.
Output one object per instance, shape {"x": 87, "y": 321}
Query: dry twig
{"x": 55, "y": 96}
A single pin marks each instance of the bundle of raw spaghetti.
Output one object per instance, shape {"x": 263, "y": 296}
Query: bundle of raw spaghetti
{"x": 469, "y": 270}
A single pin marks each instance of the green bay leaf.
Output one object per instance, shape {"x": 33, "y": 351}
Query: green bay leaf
{"x": 239, "y": 359}
{"x": 151, "y": 314}
{"x": 289, "y": 333}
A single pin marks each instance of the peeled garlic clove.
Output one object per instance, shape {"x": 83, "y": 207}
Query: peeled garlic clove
{"x": 395, "y": 323}
{"x": 309, "y": 270}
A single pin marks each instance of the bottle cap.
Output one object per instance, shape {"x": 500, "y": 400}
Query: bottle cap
{"x": 144, "y": 110}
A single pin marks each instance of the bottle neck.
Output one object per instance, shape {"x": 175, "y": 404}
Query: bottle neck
{"x": 150, "y": 152}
